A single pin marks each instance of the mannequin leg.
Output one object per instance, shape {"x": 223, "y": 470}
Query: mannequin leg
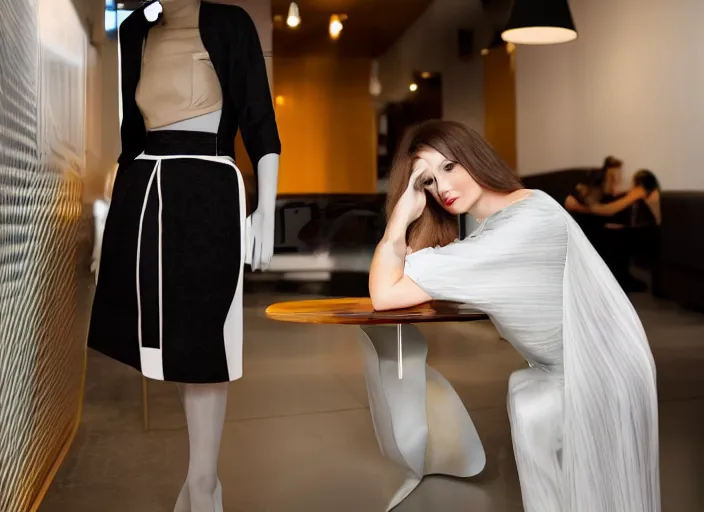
{"x": 205, "y": 406}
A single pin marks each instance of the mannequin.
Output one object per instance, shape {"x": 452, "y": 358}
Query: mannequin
{"x": 189, "y": 80}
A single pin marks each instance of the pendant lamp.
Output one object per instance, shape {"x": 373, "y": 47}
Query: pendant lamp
{"x": 540, "y": 22}
{"x": 374, "y": 82}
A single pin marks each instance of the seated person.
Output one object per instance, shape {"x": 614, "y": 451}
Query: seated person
{"x": 641, "y": 207}
{"x": 603, "y": 209}
{"x": 643, "y": 199}
{"x": 600, "y": 186}
{"x": 583, "y": 414}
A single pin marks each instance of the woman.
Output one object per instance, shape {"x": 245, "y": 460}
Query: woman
{"x": 584, "y": 414}
{"x": 601, "y": 186}
{"x": 644, "y": 197}
{"x": 639, "y": 211}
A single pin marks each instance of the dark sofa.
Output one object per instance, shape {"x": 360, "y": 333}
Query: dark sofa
{"x": 679, "y": 272}
{"x": 677, "y": 262}
{"x": 557, "y": 184}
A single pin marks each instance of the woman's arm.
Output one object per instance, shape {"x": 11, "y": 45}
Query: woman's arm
{"x": 620, "y": 204}
{"x": 572, "y": 205}
{"x": 389, "y": 287}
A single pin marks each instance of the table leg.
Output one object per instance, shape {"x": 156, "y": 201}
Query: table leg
{"x": 420, "y": 422}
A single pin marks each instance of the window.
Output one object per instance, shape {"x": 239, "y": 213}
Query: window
{"x": 115, "y": 14}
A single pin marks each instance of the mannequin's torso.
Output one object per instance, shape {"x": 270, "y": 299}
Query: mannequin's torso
{"x": 178, "y": 88}
{"x": 207, "y": 123}
{"x": 158, "y": 57}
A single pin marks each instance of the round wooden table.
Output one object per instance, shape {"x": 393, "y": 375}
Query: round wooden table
{"x": 419, "y": 421}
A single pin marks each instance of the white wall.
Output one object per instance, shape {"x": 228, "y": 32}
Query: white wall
{"x": 430, "y": 44}
{"x": 632, "y": 85}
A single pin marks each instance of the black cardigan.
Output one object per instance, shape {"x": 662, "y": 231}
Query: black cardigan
{"x": 230, "y": 38}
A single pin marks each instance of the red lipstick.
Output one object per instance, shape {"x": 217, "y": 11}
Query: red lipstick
{"x": 450, "y": 202}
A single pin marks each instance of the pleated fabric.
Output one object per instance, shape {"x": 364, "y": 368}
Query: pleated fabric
{"x": 584, "y": 413}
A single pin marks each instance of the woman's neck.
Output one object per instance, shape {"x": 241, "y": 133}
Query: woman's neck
{"x": 491, "y": 202}
{"x": 181, "y": 13}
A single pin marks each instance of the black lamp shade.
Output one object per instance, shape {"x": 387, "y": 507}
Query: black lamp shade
{"x": 496, "y": 41}
{"x": 540, "y": 22}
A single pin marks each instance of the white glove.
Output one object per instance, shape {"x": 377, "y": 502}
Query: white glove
{"x": 264, "y": 217}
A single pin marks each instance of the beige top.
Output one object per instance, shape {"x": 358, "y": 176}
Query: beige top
{"x": 178, "y": 80}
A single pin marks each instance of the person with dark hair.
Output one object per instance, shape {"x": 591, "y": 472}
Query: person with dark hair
{"x": 632, "y": 228}
{"x": 600, "y": 186}
{"x": 584, "y": 414}
{"x": 646, "y": 190}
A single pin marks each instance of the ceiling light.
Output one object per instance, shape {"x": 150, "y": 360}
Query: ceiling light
{"x": 336, "y": 25}
{"x": 374, "y": 82}
{"x": 540, "y": 22}
{"x": 294, "y": 15}
{"x": 425, "y": 75}
{"x": 413, "y": 87}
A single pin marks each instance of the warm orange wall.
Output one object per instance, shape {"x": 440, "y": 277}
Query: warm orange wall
{"x": 327, "y": 125}
{"x": 500, "y": 103}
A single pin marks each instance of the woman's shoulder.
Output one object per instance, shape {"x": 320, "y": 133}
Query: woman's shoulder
{"x": 538, "y": 206}
{"x": 537, "y": 216}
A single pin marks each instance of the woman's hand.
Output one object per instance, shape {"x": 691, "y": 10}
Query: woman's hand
{"x": 413, "y": 201}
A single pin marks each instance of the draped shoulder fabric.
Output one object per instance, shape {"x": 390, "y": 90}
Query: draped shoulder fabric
{"x": 547, "y": 291}
{"x": 511, "y": 267}
{"x": 611, "y": 449}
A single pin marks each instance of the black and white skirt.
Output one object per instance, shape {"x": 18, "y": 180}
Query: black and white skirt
{"x": 169, "y": 294}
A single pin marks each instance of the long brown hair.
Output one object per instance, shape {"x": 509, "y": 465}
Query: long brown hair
{"x": 460, "y": 144}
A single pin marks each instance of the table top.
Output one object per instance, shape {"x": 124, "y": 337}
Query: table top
{"x": 359, "y": 311}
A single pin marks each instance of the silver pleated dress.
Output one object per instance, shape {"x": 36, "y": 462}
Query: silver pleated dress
{"x": 584, "y": 415}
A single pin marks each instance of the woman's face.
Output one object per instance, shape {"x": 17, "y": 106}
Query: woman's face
{"x": 613, "y": 178}
{"x": 448, "y": 182}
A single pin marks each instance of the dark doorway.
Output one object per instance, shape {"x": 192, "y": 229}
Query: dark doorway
{"x": 423, "y": 101}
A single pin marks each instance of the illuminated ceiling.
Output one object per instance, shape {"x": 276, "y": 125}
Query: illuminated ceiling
{"x": 371, "y": 28}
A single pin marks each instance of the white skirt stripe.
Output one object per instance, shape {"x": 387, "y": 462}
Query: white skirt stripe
{"x": 233, "y": 330}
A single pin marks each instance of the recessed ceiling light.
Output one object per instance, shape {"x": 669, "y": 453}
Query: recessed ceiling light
{"x": 336, "y": 26}
{"x": 294, "y": 15}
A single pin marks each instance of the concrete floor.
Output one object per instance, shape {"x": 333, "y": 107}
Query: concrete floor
{"x": 299, "y": 437}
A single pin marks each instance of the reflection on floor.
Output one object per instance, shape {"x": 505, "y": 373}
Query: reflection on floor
{"x": 299, "y": 436}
